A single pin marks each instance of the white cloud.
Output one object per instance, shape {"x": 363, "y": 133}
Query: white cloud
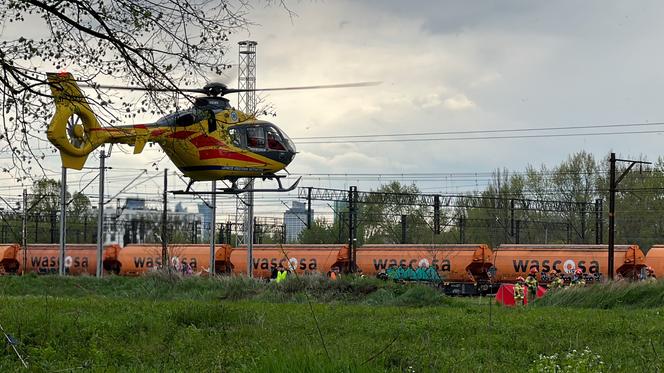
{"x": 458, "y": 102}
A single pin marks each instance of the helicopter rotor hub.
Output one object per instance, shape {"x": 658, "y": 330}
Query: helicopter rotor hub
{"x": 215, "y": 89}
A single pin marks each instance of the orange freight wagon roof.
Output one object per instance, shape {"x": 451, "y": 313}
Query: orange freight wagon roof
{"x": 563, "y": 247}
{"x": 423, "y": 246}
{"x": 9, "y": 252}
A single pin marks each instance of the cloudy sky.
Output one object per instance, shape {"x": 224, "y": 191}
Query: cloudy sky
{"x": 449, "y": 66}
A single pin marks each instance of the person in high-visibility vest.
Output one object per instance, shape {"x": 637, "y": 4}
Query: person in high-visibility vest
{"x": 281, "y": 273}
{"x": 518, "y": 292}
{"x": 531, "y": 283}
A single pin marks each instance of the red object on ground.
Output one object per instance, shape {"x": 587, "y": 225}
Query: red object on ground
{"x": 505, "y": 294}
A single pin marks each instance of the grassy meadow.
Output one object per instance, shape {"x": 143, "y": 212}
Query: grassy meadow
{"x": 165, "y": 323}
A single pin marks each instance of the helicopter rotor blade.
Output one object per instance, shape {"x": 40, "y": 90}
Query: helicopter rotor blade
{"x": 323, "y": 86}
{"x": 137, "y": 88}
{"x": 223, "y": 90}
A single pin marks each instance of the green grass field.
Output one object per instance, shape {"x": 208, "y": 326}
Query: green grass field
{"x": 162, "y": 323}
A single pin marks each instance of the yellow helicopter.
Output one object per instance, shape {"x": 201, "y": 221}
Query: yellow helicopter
{"x": 209, "y": 141}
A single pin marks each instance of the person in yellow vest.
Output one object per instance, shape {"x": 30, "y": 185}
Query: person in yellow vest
{"x": 518, "y": 292}
{"x": 531, "y": 284}
{"x": 281, "y": 273}
{"x": 556, "y": 281}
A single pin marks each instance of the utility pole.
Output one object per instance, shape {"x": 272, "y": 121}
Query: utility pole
{"x": 213, "y": 222}
{"x": 100, "y": 218}
{"x": 599, "y": 229}
{"x": 247, "y": 102}
{"x": 436, "y": 215}
{"x": 613, "y": 186}
{"x": 352, "y": 226}
{"x": 164, "y": 220}
{"x": 309, "y": 208}
{"x": 249, "y": 231}
{"x": 63, "y": 221}
{"x": 24, "y": 230}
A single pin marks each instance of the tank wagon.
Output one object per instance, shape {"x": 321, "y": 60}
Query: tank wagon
{"x": 301, "y": 258}
{"x": 137, "y": 259}
{"x": 462, "y": 268}
{"x": 512, "y": 261}
{"x": 80, "y": 259}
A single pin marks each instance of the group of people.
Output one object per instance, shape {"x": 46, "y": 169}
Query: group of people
{"x": 181, "y": 267}
{"x": 530, "y": 284}
{"x": 279, "y": 273}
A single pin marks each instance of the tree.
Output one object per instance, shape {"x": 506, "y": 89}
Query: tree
{"x": 321, "y": 232}
{"x": 44, "y": 205}
{"x": 152, "y": 44}
{"x": 45, "y": 196}
{"x": 380, "y": 214}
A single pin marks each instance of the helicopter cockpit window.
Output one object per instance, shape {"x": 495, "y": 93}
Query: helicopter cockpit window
{"x": 235, "y": 137}
{"x": 274, "y": 140}
{"x": 255, "y": 137}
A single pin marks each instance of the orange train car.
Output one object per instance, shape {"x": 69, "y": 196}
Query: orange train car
{"x": 79, "y": 258}
{"x": 454, "y": 263}
{"x": 137, "y": 259}
{"x": 655, "y": 259}
{"x": 303, "y": 258}
{"x": 463, "y": 268}
{"x": 512, "y": 261}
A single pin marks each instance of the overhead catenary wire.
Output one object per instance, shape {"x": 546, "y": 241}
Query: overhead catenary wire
{"x": 619, "y": 125}
{"x": 465, "y": 138}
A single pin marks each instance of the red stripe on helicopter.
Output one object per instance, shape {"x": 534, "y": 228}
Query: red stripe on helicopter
{"x": 157, "y": 132}
{"x": 107, "y": 129}
{"x": 203, "y": 140}
{"x": 181, "y": 134}
{"x": 220, "y": 153}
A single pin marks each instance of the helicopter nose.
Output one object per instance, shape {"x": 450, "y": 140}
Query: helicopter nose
{"x": 288, "y": 157}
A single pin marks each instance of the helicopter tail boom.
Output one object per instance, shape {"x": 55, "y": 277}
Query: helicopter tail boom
{"x": 73, "y": 127}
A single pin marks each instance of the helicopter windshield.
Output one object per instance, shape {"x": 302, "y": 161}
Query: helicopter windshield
{"x": 263, "y": 137}
{"x": 290, "y": 145}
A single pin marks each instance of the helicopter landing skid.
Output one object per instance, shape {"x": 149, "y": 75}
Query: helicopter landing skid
{"x": 234, "y": 189}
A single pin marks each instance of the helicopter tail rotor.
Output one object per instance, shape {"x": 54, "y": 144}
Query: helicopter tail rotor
{"x": 72, "y": 128}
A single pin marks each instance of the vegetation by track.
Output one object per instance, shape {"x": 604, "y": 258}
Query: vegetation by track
{"x": 165, "y": 323}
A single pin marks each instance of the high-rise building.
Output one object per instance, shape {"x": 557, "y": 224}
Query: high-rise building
{"x": 295, "y": 219}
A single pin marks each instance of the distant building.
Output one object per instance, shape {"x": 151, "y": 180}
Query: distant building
{"x": 205, "y": 212}
{"x": 134, "y": 222}
{"x": 295, "y": 219}
{"x": 340, "y": 212}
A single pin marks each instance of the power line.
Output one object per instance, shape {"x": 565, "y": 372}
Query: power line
{"x": 482, "y": 137}
{"x": 483, "y": 131}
